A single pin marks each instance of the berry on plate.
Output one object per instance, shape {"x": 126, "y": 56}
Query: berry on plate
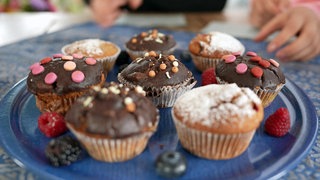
{"x": 52, "y": 124}
{"x": 63, "y": 151}
{"x": 208, "y": 77}
{"x": 171, "y": 164}
{"x": 278, "y": 123}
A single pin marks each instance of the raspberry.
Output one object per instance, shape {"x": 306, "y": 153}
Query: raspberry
{"x": 63, "y": 151}
{"x": 208, "y": 77}
{"x": 278, "y": 123}
{"x": 52, "y": 124}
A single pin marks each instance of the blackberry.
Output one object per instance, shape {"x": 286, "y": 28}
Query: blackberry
{"x": 63, "y": 151}
{"x": 171, "y": 164}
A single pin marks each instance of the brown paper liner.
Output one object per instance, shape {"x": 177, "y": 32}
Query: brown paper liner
{"x": 211, "y": 145}
{"x": 164, "y": 96}
{"x": 109, "y": 62}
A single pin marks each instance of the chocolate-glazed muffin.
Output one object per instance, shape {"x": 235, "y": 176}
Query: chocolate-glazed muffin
{"x": 114, "y": 122}
{"x": 152, "y": 40}
{"x": 262, "y": 75}
{"x": 163, "y": 77}
{"x": 57, "y": 81}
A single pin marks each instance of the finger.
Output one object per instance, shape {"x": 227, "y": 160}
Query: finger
{"x": 300, "y": 49}
{"x": 109, "y": 19}
{"x": 134, "y": 4}
{"x": 271, "y": 7}
{"x": 273, "y": 25}
{"x": 283, "y": 4}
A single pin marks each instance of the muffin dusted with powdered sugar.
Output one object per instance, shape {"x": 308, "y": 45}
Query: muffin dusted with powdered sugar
{"x": 220, "y": 122}
{"x": 207, "y": 48}
{"x": 104, "y": 51}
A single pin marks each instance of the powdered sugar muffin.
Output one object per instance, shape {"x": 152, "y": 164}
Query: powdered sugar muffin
{"x": 104, "y": 51}
{"x": 207, "y": 48}
{"x": 220, "y": 122}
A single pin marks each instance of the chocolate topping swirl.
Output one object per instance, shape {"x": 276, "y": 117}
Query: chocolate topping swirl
{"x": 271, "y": 75}
{"x": 156, "y": 71}
{"x": 64, "y": 82}
{"x": 108, "y": 112}
{"x": 151, "y": 40}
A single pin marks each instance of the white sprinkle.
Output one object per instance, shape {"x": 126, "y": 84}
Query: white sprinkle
{"x": 88, "y": 101}
{"x": 146, "y": 54}
{"x": 114, "y": 90}
{"x": 140, "y": 58}
{"x": 168, "y": 75}
{"x": 104, "y": 91}
{"x": 175, "y": 63}
{"x": 128, "y": 100}
{"x": 159, "y": 41}
{"x": 160, "y": 56}
{"x": 96, "y": 88}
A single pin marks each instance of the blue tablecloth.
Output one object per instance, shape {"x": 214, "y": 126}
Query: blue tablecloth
{"x": 16, "y": 58}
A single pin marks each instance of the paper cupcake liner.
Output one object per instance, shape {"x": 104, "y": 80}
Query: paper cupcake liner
{"x": 113, "y": 150}
{"x": 266, "y": 95}
{"x": 164, "y": 96}
{"x": 211, "y": 145}
{"x": 203, "y": 63}
{"x": 136, "y": 54}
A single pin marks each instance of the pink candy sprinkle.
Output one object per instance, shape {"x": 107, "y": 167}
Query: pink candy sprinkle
{"x": 34, "y": 65}
{"x": 229, "y": 58}
{"x": 274, "y": 62}
{"x": 241, "y": 68}
{"x": 50, "y": 78}
{"x": 57, "y": 55}
{"x": 37, "y": 70}
{"x": 91, "y": 61}
{"x": 77, "y": 76}
{"x": 251, "y": 53}
{"x": 77, "y": 56}
{"x": 69, "y": 65}
{"x": 67, "y": 58}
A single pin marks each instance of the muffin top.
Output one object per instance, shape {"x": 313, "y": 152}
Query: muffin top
{"x": 250, "y": 70}
{"x": 156, "y": 70}
{"x": 220, "y": 109}
{"x": 92, "y": 48}
{"x": 215, "y": 44}
{"x": 114, "y": 111}
{"x": 151, "y": 41}
{"x": 62, "y": 74}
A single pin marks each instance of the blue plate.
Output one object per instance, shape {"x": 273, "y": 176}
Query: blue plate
{"x": 266, "y": 157}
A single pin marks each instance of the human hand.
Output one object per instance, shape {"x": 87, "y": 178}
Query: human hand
{"x": 262, "y": 11}
{"x": 297, "y": 21}
{"x": 105, "y": 12}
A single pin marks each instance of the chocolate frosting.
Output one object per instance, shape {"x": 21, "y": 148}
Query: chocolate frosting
{"x": 271, "y": 78}
{"x": 103, "y": 112}
{"x": 146, "y": 41}
{"x": 137, "y": 72}
{"x": 64, "y": 83}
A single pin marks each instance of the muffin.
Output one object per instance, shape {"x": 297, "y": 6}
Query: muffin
{"x": 163, "y": 77}
{"x": 206, "y": 49}
{"x": 152, "y": 40}
{"x": 217, "y": 121}
{"x": 262, "y": 75}
{"x": 57, "y": 81}
{"x": 114, "y": 123}
{"x": 104, "y": 51}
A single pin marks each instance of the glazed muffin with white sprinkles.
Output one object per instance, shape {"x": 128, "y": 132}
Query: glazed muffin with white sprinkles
{"x": 163, "y": 77}
{"x": 114, "y": 123}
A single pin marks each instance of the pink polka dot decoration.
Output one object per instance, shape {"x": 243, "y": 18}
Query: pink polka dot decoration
{"x": 37, "y": 70}
{"x": 241, "y": 68}
{"x": 50, "y": 78}
{"x": 229, "y": 58}
{"x": 91, "y": 61}
{"x": 77, "y": 76}
{"x": 77, "y": 56}
{"x": 69, "y": 66}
